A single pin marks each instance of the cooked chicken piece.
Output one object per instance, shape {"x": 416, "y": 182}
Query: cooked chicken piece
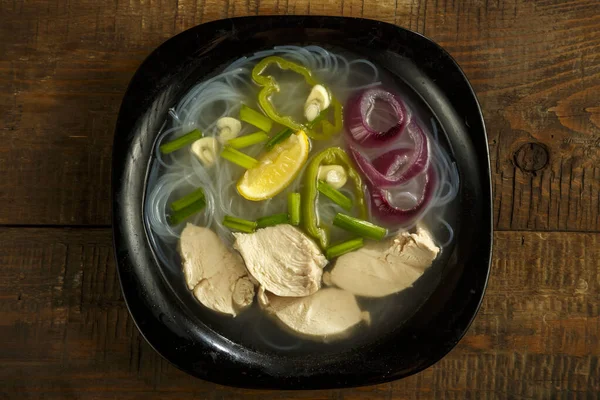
{"x": 225, "y": 293}
{"x": 243, "y": 293}
{"x": 282, "y": 259}
{"x": 327, "y": 314}
{"x": 201, "y": 252}
{"x": 217, "y": 276}
{"x": 382, "y": 268}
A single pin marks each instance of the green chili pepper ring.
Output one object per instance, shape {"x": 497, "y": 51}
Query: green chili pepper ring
{"x": 332, "y": 155}
{"x": 270, "y": 86}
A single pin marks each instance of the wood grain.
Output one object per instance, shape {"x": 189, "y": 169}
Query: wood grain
{"x": 67, "y": 333}
{"x": 64, "y": 66}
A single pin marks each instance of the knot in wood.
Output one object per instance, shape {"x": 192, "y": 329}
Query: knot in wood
{"x": 531, "y": 157}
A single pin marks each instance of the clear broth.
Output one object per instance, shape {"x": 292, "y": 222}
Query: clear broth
{"x": 253, "y": 328}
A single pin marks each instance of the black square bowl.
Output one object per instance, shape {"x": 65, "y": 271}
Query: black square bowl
{"x": 178, "y": 333}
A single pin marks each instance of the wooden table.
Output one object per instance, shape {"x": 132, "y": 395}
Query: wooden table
{"x": 64, "y": 64}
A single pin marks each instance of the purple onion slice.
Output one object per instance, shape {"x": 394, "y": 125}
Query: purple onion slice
{"x": 358, "y": 110}
{"x": 392, "y": 215}
{"x": 396, "y": 166}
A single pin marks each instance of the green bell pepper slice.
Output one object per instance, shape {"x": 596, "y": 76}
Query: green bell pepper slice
{"x": 310, "y": 221}
{"x": 323, "y": 129}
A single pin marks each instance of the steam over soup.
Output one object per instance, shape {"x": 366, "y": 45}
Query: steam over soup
{"x": 302, "y": 196}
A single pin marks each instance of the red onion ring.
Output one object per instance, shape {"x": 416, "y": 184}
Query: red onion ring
{"x": 396, "y": 166}
{"x": 356, "y": 116}
{"x": 390, "y": 214}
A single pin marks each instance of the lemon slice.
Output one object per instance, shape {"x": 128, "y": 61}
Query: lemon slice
{"x": 276, "y": 169}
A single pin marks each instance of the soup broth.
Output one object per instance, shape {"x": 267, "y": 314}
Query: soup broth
{"x": 410, "y": 204}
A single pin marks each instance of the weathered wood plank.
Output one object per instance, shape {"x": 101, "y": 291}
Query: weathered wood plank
{"x": 66, "y": 332}
{"x": 64, "y": 66}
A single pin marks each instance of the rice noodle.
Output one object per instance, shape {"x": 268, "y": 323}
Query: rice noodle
{"x": 174, "y": 175}
{"x": 222, "y": 95}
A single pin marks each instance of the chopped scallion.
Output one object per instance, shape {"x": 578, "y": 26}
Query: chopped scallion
{"x": 335, "y": 195}
{"x": 359, "y": 227}
{"x": 272, "y": 220}
{"x": 255, "y": 118}
{"x": 248, "y": 140}
{"x": 240, "y": 221}
{"x": 322, "y": 115}
{"x": 188, "y": 199}
{"x": 237, "y": 227}
{"x": 294, "y": 208}
{"x": 343, "y": 248}
{"x": 239, "y": 224}
{"x": 239, "y": 158}
{"x": 179, "y": 216}
{"x": 180, "y": 142}
{"x": 278, "y": 138}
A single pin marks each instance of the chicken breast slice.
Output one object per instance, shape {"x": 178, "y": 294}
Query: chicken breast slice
{"x": 383, "y": 268}
{"x": 216, "y": 275}
{"x": 326, "y": 314}
{"x": 282, "y": 259}
{"x": 225, "y": 293}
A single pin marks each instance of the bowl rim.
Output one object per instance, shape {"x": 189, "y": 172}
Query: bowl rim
{"x": 125, "y": 155}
